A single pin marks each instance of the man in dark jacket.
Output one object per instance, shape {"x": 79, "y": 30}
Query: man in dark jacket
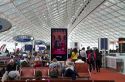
{"x": 11, "y": 66}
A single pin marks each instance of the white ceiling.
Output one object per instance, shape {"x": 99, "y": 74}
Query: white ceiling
{"x": 100, "y": 18}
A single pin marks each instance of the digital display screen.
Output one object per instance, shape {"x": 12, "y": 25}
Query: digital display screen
{"x": 59, "y": 44}
{"x": 28, "y": 47}
{"x": 104, "y": 43}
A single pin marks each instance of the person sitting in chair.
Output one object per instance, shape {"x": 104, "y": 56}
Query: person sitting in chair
{"x": 37, "y": 61}
{"x": 13, "y": 75}
{"x": 70, "y": 71}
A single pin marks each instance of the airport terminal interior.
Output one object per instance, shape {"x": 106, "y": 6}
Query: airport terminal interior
{"x": 62, "y": 40}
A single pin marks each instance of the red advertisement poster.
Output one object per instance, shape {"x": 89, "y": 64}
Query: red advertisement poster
{"x": 59, "y": 43}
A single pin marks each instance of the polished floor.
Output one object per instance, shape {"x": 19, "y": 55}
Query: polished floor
{"x": 108, "y": 74}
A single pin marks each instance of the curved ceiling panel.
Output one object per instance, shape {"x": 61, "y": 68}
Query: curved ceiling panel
{"x": 86, "y": 20}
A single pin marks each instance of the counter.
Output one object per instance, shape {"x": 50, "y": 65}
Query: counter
{"x": 116, "y": 62}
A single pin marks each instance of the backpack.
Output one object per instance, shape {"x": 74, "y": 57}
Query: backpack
{"x": 53, "y": 73}
{"x": 92, "y": 57}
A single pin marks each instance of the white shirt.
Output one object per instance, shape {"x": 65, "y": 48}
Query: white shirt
{"x": 70, "y": 67}
{"x": 14, "y": 74}
{"x": 83, "y": 53}
{"x": 79, "y": 61}
{"x": 37, "y": 59}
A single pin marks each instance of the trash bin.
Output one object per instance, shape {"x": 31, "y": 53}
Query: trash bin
{"x": 120, "y": 65}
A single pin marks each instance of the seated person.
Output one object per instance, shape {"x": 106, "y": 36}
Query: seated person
{"x": 55, "y": 65}
{"x": 70, "y": 71}
{"x": 37, "y": 61}
{"x": 13, "y": 75}
{"x": 45, "y": 60}
{"x": 53, "y": 72}
{"x": 10, "y": 70}
{"x": 4, "y": 77}
{"x": 11, "y": 66}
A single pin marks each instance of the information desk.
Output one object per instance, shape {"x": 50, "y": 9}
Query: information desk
{"x": 116, "y": 62}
